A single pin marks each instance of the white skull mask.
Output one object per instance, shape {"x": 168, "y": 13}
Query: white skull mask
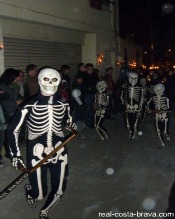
{"x": 159, "y": 89}
{"x": 133, "y": 78}
{"x": 48, "y": 80}
{"x": 101, "y": 86}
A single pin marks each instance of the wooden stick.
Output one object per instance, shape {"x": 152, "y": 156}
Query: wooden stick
{"x": 27, "y": 172}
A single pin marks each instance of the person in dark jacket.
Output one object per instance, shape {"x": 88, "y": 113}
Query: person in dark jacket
{"x": 31, "y": 86}
{"x": 81, "y": 69}
{"x": 3, "y": 119}
{"x": 90, "y": 80}
{"x": 65, "y": 74}
{"x": 111, "y": 91}
{"x": 78, "y": 97}
{"x": 9, "y": 104}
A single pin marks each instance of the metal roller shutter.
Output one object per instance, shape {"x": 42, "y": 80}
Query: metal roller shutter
{"x": 18, "y": 53}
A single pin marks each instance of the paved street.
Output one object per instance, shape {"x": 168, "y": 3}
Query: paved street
{"x": 140, "y": 180}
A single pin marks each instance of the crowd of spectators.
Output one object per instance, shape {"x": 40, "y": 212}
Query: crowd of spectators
{"x": 17, "y": 86}
{"x": 166, "y": 77}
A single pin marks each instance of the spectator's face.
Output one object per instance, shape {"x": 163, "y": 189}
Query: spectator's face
{"x": 33, "y": 72}
{"x": 82, "y": 68}
{"x": 66, "y": 71}
{"x": 148, "y": 77}
{"x": 80, "y": 80}
{"x": 109, "y": 72}
{"x": 89, "y": 70}
{"x": 20, "y": 78}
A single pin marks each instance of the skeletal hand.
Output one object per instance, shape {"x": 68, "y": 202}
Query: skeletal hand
{"x": 18, "y": 163}
{"x": 70, "y": 126}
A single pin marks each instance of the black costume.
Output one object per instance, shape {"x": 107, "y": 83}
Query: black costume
{"x": 102, "y": 105}
{"x": 159, "y": 104}
{"x": 132, "y": 99}
{"x": 44, "y": 116}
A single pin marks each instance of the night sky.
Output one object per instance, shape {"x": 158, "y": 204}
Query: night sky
{"x": 144, "y": 22}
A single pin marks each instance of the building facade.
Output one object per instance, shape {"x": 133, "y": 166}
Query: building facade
{"x": 56, "y": 32}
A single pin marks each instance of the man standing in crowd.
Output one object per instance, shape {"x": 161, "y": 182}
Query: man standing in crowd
{"x": 90, "y": 80}
{"x": 78, "y": 97}
{"x": 31, "y": 85}
{"x": 81, "y": 69}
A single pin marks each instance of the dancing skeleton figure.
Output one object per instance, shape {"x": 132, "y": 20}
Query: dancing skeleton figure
{"x": 102, "y": 104}
{"x": 132, "y": 99}
{"x": 43, "y": 116}
{"x": 161, "y": 108}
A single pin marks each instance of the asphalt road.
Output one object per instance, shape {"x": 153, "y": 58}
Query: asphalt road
{"x": 106, "y": 180}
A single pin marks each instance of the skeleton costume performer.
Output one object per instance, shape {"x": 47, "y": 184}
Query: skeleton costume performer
{"x": 132, "y": 99}
{"x": 160, "y": 105}
{"x": 43, "y": 116}
{"x": 102, "y": 104}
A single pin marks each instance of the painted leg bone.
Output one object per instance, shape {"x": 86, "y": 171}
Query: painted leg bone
{"x": 132, "y": 123}
{"x": 166, "y": 133}
{"x": 97, "y": 121}
{"x": 134, "y": 130}
{"x": 160, "y": 136}
{"x": 136, "y": 126}
{"x": 99, "y": 117}
{"x": 54, "y": 198}
{"x": 127, "y": 124}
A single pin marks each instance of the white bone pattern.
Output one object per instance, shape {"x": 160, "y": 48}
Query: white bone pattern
{"x": 101, "y": 86}
{"x": 45, "y": 119}
{"x": 133, "y": 78}
{"x": 134, "y": 94}
{"x": 161, "y": 103}
{"x": 103, "y": 102}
